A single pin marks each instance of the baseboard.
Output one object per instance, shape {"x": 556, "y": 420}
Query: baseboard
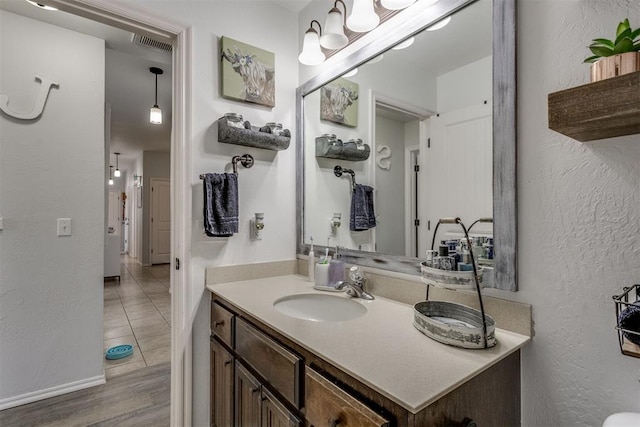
{"x": 46, "y": 393}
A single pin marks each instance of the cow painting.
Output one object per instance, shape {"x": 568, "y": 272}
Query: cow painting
{"x": 338, "y": 102}
{"x": 252, "y": 74}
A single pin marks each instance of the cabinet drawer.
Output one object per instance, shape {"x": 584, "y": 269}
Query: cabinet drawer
{"x": 222, "y": 323}
{"x": 277, "y": 365}
{"x": 328, "y": 405}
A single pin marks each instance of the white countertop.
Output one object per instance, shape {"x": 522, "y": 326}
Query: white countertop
{"x": 381, "y": 349}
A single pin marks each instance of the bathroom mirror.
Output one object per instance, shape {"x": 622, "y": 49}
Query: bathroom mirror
{"x": 398, "y": 103}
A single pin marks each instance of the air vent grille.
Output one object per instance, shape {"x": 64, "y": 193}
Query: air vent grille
{"x": 144, "y": 41}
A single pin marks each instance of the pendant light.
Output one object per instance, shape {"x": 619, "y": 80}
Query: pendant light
{"x": 155, "y": 113}
{"x": 396, "y": 4}
{"x": 116, "y": 173}
{"x": 110, "y": 177}
{"x": 311, "y": 52}
{"x": 363, "y": 17}
{"x": 334, "y": 37}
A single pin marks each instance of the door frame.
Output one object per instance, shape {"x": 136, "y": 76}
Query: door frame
{"x": 131, "y": 19}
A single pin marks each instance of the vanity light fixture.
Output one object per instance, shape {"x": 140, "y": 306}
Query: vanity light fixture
{"x": 363, "y": 17}
{"x": 110, "y": 177}
{"x": 334, "y": 37}
{"x": 311, "y": 52}
{"x": 116, "y": 173}
{"x": 396, "y": 4}
{"x": 405, "y": 44}
{"x": 440, "y": 24}
{"x": 155, "y": 113}
{"x": 40, "y": 5}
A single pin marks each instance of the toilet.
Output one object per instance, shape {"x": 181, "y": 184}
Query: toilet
{"x": 623, "y": 419}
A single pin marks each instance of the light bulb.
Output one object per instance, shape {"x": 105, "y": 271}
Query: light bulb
{"x": 396, "y": 4}
{"x": 110, "y": 181}
{"x": 155, "y": 115}
{"x": 363, "y": 17}
{"x": 311, "y": 52}
{"x": 116, "y": 173}
{"x": 439, "y": 25}
{"x": 334, "y": 37}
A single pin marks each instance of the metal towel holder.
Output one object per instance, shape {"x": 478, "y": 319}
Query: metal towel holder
{"x": 245, "y": 160}
{"x": 339, "y": 170}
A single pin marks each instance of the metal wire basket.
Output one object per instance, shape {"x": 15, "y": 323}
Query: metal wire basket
{"x": 627, "y": 337}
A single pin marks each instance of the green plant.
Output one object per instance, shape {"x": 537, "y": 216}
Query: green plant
{"x": 627, "y": 40}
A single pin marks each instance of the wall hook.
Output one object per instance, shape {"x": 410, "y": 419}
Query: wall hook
{"x": 38, "y": 107}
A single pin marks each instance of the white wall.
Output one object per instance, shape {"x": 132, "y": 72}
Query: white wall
{"x": 471, "y": 84}
{"x": 269, "y": 186}
{"x": 52, "y": 167}
{"x": 578, "y": 216}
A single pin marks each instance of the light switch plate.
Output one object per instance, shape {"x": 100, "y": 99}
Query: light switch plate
{"x": 64, "y": 226}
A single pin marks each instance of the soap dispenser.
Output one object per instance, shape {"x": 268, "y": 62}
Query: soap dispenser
{"x": 336, "y": 269}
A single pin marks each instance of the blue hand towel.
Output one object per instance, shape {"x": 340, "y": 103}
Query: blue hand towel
{"x": 220, "y": 204}
{"x": 362, "y": 216}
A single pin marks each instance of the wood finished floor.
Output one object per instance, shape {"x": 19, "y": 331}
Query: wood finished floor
{"x": 139, "y": 398}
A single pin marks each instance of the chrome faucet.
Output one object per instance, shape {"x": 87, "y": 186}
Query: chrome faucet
{"x": 355, "y": 287}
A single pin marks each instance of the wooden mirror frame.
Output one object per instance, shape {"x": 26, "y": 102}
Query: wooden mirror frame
{"x": 504, "y": 137}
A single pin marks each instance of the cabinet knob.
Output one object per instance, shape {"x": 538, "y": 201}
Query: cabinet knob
{"x": 227, "y": 362}
{"x": 254, "y": 390}
{"x": 218, "y": 323}
{"x": 468, "y": 422}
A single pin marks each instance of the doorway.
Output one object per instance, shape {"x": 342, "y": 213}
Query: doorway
{"x": 121, "y": 16}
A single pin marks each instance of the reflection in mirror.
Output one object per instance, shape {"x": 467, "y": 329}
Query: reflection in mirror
{"x": 391, "y": 104}
{"x": 423, "y": 111}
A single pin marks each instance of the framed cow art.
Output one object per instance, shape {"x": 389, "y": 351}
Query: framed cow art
{"x": 247, "y": 73}
{"x": 339, "y": 102}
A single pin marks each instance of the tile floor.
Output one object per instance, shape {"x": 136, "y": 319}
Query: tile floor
{"x": 137, "y": 311}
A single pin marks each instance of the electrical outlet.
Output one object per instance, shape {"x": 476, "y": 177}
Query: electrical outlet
{"x": 64, "y": 226}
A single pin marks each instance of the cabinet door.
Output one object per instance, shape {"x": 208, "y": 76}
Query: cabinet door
{"x": 221, "y": 386}
{"x": 274, "y": 414}
{"x": 329, "y": 405}
{"x": 247, "y": 402}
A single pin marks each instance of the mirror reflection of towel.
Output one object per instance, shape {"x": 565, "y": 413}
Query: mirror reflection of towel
{"x": 363, "y": 216}
{"x": 220, "y": 204}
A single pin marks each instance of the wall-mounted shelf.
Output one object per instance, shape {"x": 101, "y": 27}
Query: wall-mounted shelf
{"x": 251, "y": 137}
{"x": 598, "y": 110}
{"x": 325, "y": 148}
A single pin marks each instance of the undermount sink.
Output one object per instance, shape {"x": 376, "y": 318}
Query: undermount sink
{"x": 319, "y": 307}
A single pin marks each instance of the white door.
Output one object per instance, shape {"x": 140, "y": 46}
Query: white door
{"x": 460, "y": 162}
{"x": 113, "y": 223}
{"x": 160, "y": 221}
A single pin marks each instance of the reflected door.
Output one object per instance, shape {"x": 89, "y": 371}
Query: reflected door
{"x": 460, "y": 172}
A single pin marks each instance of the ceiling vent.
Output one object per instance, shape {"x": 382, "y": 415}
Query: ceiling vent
{"x": 148, "y": 42}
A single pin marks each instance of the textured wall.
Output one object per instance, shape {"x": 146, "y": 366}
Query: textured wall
{"x": 51, "y": 167}
{"x": 578, "y": 223}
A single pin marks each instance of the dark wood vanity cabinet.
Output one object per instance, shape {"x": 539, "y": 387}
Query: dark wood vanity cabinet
{"x": 222, "y": 368}
{"x": 261, "y": 378}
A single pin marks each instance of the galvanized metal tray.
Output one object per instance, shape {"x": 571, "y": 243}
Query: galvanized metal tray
{"x": 449, "y": 279}
{"x": 453, "y": 324}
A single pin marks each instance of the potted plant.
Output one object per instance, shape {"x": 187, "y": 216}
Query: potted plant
{"x": 612, "y": 58}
